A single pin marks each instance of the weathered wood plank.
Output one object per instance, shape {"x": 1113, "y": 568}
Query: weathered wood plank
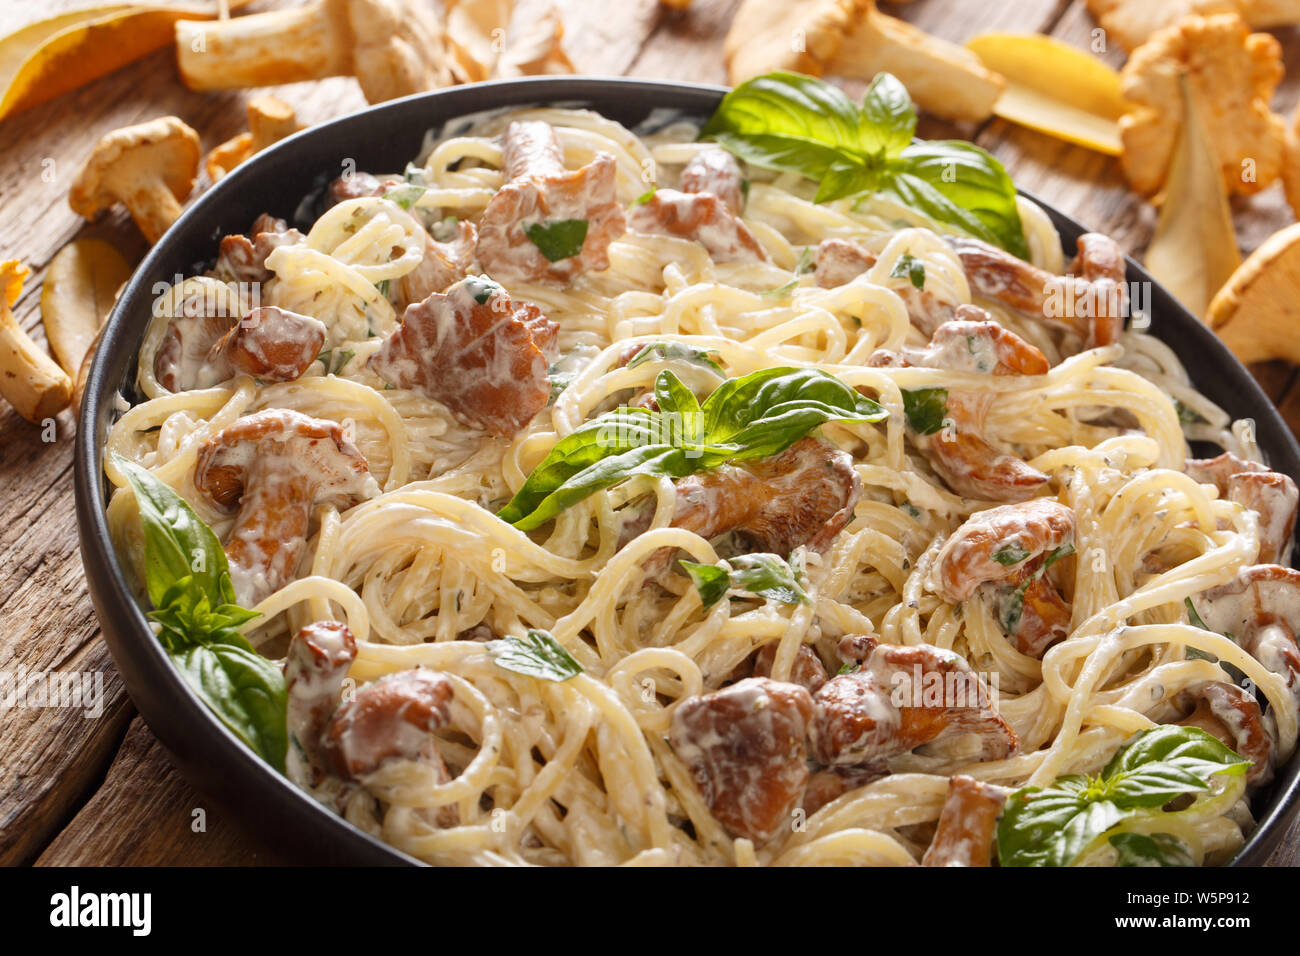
{"x": 157, "y": 819}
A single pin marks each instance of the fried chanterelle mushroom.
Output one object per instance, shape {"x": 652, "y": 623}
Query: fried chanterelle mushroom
{"x": 149, "y": 168}
{"x": 272, "y": 467}
{"x": 1231, "y": 74}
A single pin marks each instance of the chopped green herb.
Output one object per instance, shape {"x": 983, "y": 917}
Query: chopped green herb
{"x": 405, "y": 196}
{"x": 1010, "y": 606}
{"x": 444, "y": 230}
{"x": 1064, "y": 551}
{"x": 561, "y": 239}
{"x": 910, "y": 268}
{"x": 645, "y": 197}
{"x": 1010, "y": 554}
{"x": 675, "y": 351}
{"x": 481, "y": 288}
{"x": 925, "y": 409}
{"x": 537, "y": 654}
{"x": 335, "y": 360}
{"x": 765, "y": 575}
{"x": 710, "y": 581}
{"x": 1186, "y": 415}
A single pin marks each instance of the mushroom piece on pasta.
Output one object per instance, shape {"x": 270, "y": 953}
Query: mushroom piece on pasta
{"x": 477, "y": 350}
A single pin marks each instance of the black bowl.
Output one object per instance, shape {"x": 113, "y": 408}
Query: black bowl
{"x": 385, "y": 138}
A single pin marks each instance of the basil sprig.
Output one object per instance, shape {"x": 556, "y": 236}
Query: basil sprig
{"x": 537, "y": 654}
{"x": 761, "y": 414}
{"x": 1054, "y": 826}
{"x": 187, "y": 577}
{"x": 765, "y": 575}
{"x": 800, "y": 124}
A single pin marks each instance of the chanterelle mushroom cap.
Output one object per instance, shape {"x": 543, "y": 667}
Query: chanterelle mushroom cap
{"x": 1131, "y": 22}
{"x": 1257, "y": 312}
{"x": 391, "y": 55}
{"x": 313, "y": 447}
{"x": 277, "y": 464}
{"x": 393, "y": 47}
{"x": 771, "y": 35}
{"x": 1257, "y": 596}
{"x": 148, "y": 168}
{"x": 1231, "y": 75}
{"x": 995, "y": 545}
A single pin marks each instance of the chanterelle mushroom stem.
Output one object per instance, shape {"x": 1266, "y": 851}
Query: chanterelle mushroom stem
{"x": 393, "y": 47}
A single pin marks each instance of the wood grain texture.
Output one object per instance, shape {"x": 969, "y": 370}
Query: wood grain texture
{"x": 79, "y": 790}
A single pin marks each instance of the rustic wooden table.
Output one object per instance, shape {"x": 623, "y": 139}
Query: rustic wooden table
{"x": 101, "y": 790}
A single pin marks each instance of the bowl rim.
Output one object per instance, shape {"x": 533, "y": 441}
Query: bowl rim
{"x": 208, "y": 753}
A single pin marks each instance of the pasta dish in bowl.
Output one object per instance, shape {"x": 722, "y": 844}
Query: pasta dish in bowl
{"x": 757, "y": 488}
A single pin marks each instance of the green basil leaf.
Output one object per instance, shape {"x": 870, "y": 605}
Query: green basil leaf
{"x": 846, "y": 178}
{"x": 1051, "y": 827}
{"x": 675, "y": 351}
{"x": 675, "y": 398}
{"x": 244, "y": 689}
{"x": 645, "y": 197}
{"x": 890, "y": 117}
{"x": 959, "y": 184}
{"x": 925, "y": 409}
{"x": 537, "y": 654}
{"x": 1156, "y": 849}
{"x": 910, "y": 268}
{"x": 768, "y": 576}
{"x": 657, "y": 461}
{"x": 1166, "y": 762}
{"x": 561, "y": 239}
{"x": 177, "y": 542}
{"x": 789, "y": 122}
{"x": 766, "y": 412}
{"x": 710, "y": 581}
{"x": 1009, "y": 555}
